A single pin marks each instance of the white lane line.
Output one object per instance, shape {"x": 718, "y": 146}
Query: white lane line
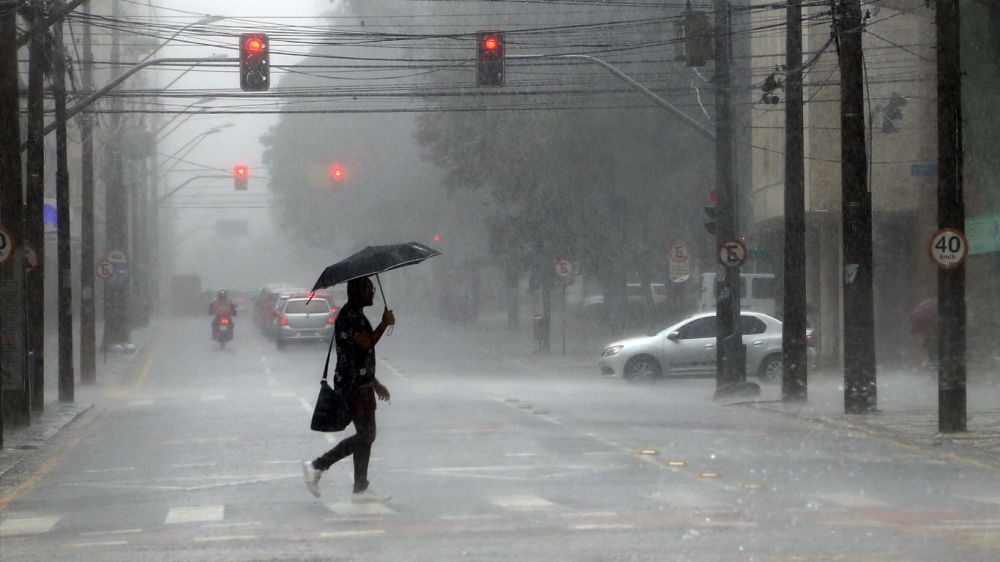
{"x": 137, "y": 403}
{"x": 965, "y": 525}
{"x": 307, "y": 406}
{"x": 232, "y": 525}
{"x": 194, "y": 465}
{"x": 223, "y": 538}
{"x": 196, "y": 514}
{"x": 851, "y": 500}
{"x": 27, "y": 526}
{"x": 102, "y": 470}
{"x": 109, "y": 533}
{"x": 520, "y": 454}
{"x": 347, "y": 534}
{"x": 293, "y": 461}
{"x": 602, "y": 527}
{"x": 521, "y": 503}
{"x": 980, "y": 499}
{"x": 97, "y": 543}
{"x": 348, "y": 508}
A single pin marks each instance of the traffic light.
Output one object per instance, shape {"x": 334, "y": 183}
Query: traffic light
{"x": 711, "y": 222}
{"x": 489, "y": 58}
{"x": 255, "y": 68}
{"x": 240, "y": 176}
{"x": 336, "y": 173}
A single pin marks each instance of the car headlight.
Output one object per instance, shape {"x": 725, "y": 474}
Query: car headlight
{"x": 612, "y": 350}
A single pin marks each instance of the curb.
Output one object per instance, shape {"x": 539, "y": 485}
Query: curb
{"x": 22, "y": 442}
{"x": 941, "y": 445}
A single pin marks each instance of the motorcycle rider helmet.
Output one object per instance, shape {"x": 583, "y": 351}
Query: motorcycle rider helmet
{"x": 221, "y": 294}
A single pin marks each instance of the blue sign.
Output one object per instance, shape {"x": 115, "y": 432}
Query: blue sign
{"x": 49, "y": 217}
{"x": 924, "y": 169}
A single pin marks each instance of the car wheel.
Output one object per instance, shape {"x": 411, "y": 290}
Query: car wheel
{"x": 770, "y": 368}
{"x": 642, "y": 369}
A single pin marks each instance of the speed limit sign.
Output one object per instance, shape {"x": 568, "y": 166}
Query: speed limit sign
{"x": 948, "y": 248}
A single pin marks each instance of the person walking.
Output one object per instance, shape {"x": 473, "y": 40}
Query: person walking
{"x": 355, "y": 375}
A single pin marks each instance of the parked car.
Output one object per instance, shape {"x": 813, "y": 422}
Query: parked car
{"x": 687, "y": 349}
{"x": 305, "y": 318}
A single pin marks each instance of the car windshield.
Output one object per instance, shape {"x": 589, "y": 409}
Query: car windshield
{"x": 304, "y": 306}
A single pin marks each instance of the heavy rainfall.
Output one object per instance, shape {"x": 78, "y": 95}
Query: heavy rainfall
{"x": 581, "y": 280}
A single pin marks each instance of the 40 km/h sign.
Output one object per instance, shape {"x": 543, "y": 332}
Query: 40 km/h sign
{"x": 948, "y": 248}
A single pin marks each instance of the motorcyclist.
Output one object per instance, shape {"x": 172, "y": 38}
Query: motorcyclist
{"x": 220, "y": 307}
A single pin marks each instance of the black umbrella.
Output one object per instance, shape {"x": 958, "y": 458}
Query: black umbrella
{"x": 374, "y": 260}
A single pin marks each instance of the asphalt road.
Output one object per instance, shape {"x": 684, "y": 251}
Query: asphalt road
{"x": 197, "y": 457}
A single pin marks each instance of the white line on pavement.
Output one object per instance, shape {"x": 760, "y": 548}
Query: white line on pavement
{"x": 27, "y": 526}
{"x": 346, "y": 534}
{"x": 223, "y": 538}
{"x": 118, "y": 469}
{"x": 107, "y": 533}
{"x": 97, "y": 543}
{"x": 195, "y": 514}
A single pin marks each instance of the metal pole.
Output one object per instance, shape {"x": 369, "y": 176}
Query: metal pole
{"x": 15, "y": 406}
{"x": 860, "y": 390}
{"x": 65, "y": 275}
{"x": 730, "y": 363}
{"x": 793, "y": 333}
{"x": 34, "y": 209}
{"x": 116, "y": 330}
{"x": 88, "y": 312}
{"x": 951, "y": 214}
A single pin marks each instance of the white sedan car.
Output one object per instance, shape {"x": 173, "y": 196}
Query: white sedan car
{"x": 687, "y": 349}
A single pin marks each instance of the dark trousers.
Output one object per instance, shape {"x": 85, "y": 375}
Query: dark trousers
{"x": 359, "y": 444}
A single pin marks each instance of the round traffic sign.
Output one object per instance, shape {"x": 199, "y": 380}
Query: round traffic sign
{"x": 732, "y": 253}
{"x": 117, "y": 256}
{"x": 6, "y": 246}
{"x": 948, "y": 248}
{"x": 680, "y": 252}
{"x": 104, "y": 269}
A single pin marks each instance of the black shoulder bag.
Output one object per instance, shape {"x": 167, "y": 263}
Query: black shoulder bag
{"x": 333, "y": 410}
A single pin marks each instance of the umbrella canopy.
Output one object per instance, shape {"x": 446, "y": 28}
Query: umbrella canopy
{"x": 374, "y": 260}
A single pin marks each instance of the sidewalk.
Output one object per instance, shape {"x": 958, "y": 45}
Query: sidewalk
{"x": 19, "y": 443}
{"x": 907, "y": 401}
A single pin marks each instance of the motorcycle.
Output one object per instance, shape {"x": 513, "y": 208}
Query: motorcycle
{"x": 223, "y": 330}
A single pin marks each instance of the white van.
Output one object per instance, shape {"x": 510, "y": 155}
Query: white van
{"x": 758, "y": 292}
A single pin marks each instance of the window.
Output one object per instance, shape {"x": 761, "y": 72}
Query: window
{"x": 317, "y": 306}
{"x": 700, "y": 328}
{"x": 751, "y": 325}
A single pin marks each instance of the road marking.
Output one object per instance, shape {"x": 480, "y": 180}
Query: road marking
{"x": 520, "y": 454}
{"x": 388, "y": 365}
{"x": 223, "y": 538}
{"x": 347, "y": 534}
{"x": 851, "y": 500}
{"x": 137, "y": 403}
{"x": 196, "y": 514}
{"x": 602, "y": 527}
{"x": 53, "y": 461}
{"x": 350, "y": 508}
{"x": 103, "y": 470}
{"x": 27, "y": 526}
{"x": 521, "y": 503}
{"x": 232, "y": 525}
{"x": 980, "y": 499}
{"x": 194, "y": 465}
{"x": 213, "y": 398}
{"x": 107, "y": 533}
{"x": 97, "y": 543}
{"x": 306, "y": 405}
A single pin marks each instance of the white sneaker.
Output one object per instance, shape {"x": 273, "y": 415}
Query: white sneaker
{"x": 368, "y": 496}
{"x": 312, "y": 477}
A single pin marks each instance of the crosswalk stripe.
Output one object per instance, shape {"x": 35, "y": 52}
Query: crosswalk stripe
{"x": 27, "y": 525}
{"x": 195, "y": 514}
{"x": 345, "y": 534}
{"x": 349, "y": 508}
{"x": 521, "y": 503}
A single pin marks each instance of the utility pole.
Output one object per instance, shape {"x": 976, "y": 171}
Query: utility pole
{"x": 88, "y": 313}
{"x": 730, "y": 359}
{"x": 116, "y": 294}
{"x": 860, "y": 394}
{"x": 793, "y": 332}
{"x": 15, "y": 404}
{"x": 65, "y": 301}
{"x": 951, "y": 214}
{"x": 34, "y": 209}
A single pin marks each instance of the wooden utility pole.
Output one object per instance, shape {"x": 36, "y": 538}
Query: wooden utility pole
{"x": 15, "y": 405}
{"x": 793, "y": 332}
{"x": 88, "y": 312}
{"x": 860, "y": 394}
{"x": 34, "y": 211}
{"x": 951, "y": 214}
{"x": 65, "y": 274}
{"x": 730, "y": 358}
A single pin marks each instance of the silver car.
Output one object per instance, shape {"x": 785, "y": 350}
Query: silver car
{"x": 687, "y": 349}
{"x": 302, "y": 319}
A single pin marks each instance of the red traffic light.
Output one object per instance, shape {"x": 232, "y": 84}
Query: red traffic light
{"x": 254, "y": 44}
{"x": 241, "y": 170}
{"x": 336, "y": 172}
{"x": 436, "y": 238}
{"x": 491, "y": 42}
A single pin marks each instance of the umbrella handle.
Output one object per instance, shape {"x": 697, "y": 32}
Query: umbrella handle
{"x": 388, "y": 331}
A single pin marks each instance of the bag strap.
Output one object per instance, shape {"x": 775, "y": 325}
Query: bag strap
{"x": 326, "y": 367}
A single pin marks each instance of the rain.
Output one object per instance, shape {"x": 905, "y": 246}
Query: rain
{"x": 582, "y": 280}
